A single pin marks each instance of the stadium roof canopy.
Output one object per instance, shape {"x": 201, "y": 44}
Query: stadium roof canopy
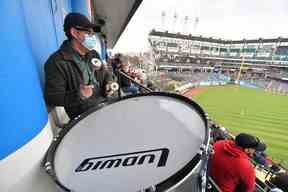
{"x": 214, "y": 40}
{"x": 117, "y": 15}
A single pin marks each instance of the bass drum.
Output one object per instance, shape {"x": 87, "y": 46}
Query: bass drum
{"x": 149, "y": 141}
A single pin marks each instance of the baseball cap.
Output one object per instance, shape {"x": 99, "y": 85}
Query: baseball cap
{"x": 78, "y": 21}
{"x": 245, "y": 140}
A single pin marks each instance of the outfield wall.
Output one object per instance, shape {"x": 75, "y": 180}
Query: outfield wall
{"x": 250, "y": 85}
{"x": 187, "y": 86}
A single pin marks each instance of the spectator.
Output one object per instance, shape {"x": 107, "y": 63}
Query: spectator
{"x": 280, "y": 181}
{"x": 260, "y": 158}
{"x": 269, "y": 160}
{"x": 116, "y": 63}
{"x": 70, "y": 81}
{"x": 141, "y": 75}
{"x": 125, "y": 83}
{"x": 230, "y": 166}
{"x": 152, "y": 86}
{"x": 219, "y": 133}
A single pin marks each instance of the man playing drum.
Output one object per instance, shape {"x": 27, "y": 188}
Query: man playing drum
{"x": 70, "y": 77}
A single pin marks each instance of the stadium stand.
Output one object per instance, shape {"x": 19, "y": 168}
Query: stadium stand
{"x": 258, "y": 58}
{"x": 250, "y": 63}
{"x": 258, "y": 49}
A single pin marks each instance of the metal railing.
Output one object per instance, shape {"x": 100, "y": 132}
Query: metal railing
{"x": 120, "y": 73}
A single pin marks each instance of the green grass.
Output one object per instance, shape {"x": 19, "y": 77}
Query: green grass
{"x": 252, "y": 111}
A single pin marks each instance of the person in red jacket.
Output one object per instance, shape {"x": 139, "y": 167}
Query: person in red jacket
{"x": 230, "y": 165}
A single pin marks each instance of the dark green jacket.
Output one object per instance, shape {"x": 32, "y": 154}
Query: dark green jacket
{"x": 63, "y": 77}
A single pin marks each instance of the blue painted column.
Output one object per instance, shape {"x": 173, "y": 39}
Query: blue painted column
{"x": 24, "y": 129}
{"x": 81, "y": 7}
{"x": 22, "y": 109}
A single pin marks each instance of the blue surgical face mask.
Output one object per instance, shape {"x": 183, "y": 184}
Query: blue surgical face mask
{"x": 90, "y": 41}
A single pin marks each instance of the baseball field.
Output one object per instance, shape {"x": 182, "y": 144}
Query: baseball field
{"x": 253, "y": 111}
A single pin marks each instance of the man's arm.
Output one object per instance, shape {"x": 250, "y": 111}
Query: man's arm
{"x": 55, "y": 85}
{"x": 108, "y": 76}
{"x": 248, "y": 178}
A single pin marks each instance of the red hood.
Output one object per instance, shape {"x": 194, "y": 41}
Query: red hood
{"x": 232, "y": 149}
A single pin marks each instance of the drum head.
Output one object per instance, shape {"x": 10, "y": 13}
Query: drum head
{"x": 131, "y": 144}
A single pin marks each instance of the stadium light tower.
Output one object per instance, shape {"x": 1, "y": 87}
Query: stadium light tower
{"x": 175, "y": 17}
{"x": 196, "y": 22}
{"x": 186, "y": 19}
{"x": 163, "y": 18}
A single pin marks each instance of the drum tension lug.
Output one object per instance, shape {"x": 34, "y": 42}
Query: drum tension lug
{"x": 149, "y": 189}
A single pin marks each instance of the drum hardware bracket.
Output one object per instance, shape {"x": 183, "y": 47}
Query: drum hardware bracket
{"x": 49, "y": 170}
{"x": 48, "y": 167}
{"x": 149, "y": 189}
{"x": 206, "y": 152}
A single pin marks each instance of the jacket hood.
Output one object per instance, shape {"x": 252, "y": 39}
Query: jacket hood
{"x": 232, "y": 149}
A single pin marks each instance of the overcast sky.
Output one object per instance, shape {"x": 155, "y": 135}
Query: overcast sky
{"x": 227, "y": 19}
